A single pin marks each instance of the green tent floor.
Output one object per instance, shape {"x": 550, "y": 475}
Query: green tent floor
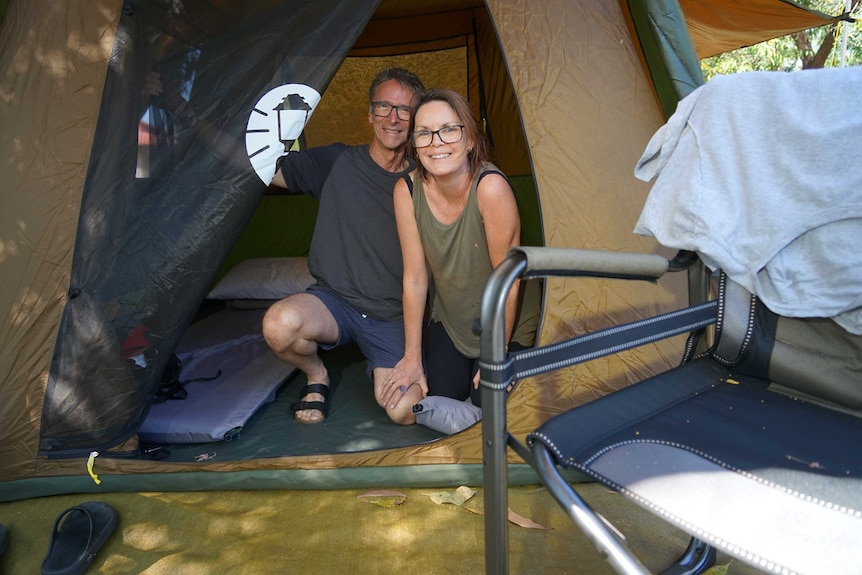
{"x": 337, "y": 532}
{"x": 355, "y": 423}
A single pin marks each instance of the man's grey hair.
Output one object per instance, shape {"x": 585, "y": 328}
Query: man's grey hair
{"x": 406, "y": 77}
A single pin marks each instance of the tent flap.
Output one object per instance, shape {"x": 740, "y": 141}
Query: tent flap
{"x": 717, "y": 27}
{"x": 170, "y": 187}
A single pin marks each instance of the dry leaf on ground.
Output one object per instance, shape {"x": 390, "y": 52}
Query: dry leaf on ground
{"x": 512, "y": 516}
{"x": 383, "y": 497}
{"x": 457, "y": 497}
{"x": 524, "y": 522}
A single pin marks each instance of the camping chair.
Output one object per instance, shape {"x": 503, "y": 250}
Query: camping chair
{"x": 753, "y": 444}
{"x": 752, "y": 447}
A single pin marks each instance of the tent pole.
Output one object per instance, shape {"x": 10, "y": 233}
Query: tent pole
{"x": 849, "y": 6}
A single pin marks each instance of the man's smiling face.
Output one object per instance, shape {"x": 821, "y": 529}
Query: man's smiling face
{"x": 391, "y": 131}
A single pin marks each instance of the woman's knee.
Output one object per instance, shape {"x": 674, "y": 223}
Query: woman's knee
{"x": 402, "y": 413}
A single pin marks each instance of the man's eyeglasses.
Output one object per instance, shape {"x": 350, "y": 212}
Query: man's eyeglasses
{"x": 383, "y": 109}
{"x": 447, "y": 135}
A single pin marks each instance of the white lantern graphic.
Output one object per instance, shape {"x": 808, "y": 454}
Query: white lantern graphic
{"x": 275, "y": 122}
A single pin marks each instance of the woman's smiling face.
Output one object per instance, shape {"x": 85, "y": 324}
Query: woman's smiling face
{"x": 440, "y": 158}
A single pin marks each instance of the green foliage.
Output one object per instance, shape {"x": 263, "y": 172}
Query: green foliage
{"x": 797, "y": 51}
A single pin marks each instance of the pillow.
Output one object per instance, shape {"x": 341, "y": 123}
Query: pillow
{"x": 264, "y": 279}
{"x": 445, "y": 414}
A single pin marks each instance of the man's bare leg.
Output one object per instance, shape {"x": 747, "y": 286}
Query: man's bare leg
{"x": 293, "y": 327}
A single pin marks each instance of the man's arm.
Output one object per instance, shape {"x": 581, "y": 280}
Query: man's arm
{"x": 278, "y": 179}
{"x": 306, "y": 171}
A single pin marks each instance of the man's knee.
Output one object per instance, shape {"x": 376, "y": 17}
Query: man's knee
{"x": 280, "y": 325}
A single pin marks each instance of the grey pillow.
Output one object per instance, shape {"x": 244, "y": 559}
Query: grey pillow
{"x": 445, "y": 414}
{"x": 264, "y": 279}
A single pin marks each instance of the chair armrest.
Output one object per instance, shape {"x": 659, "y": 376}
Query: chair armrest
{"x": 544, "y": 262}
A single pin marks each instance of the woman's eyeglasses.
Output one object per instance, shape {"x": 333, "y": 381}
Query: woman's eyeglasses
{"x": 447, "y": 135}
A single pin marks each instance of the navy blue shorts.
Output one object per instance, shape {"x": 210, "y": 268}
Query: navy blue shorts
{"x": 381, "y": 342}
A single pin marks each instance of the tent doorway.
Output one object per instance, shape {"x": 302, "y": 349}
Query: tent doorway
{"x": 188, "y": 202}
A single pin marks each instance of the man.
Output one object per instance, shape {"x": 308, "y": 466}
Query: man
{"x": 355, "y": 255}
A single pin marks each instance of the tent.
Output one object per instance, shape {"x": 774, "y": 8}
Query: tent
{"x": 102, "y": 232}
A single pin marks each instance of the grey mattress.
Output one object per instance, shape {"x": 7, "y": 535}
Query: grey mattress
{"x": 230, "y": 342}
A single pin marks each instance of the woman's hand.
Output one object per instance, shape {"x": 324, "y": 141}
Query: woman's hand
{"x": 407, "y": 372}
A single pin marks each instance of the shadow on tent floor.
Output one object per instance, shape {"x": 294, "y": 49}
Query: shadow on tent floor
{"x": 355, "y": 423}
{"x": 334, "y": 532}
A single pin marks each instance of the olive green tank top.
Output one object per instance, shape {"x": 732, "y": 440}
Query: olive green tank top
{"x": 459, "y": 266}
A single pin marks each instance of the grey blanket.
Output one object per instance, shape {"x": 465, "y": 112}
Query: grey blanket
{"x": 761, "y": 174}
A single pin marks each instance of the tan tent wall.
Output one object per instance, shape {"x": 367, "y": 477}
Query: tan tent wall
{"x": 342, "y": 115}
{"x": 52, "y": 71}
{"x": 588, "y": 110}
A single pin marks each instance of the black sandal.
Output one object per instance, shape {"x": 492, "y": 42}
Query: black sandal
{"x": 79, "y": 532}
{"x": 321, "y": 406}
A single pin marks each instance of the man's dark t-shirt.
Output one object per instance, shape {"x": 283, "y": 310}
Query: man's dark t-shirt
{"x": 355, "y": 252}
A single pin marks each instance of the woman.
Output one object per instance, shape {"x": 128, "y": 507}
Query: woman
{"x": 457, "y": 218}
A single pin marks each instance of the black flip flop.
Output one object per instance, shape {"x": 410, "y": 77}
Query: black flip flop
{"x": 78, "y": 533}
{"x": 3, "y": 539}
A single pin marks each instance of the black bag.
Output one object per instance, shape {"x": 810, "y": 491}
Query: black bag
{"x": 170, "y": 386}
